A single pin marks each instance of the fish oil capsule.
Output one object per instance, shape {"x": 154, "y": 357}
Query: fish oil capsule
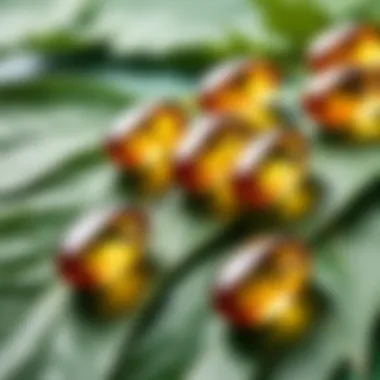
{"x": 143, "y": 140}
{"x": 207, "y": 155}
{"x": 103, "y": 247}
{"x": 352, "y": 45}
{"x": 271, "y": 170}
{"x": 262, "y": 282}
{"x": 346, "y": 102}
{"x": 245, "y": 88}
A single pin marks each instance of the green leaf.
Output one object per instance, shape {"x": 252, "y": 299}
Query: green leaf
{"x": 48, "y": 159}
{"x": 137, "y": 28}
{"x": 297, "y": 21}
{"x": 23, "y": 21}
{"x": 166, "y": 26}
{"x": 357, "y": 287}
{"x": 29, "y": 333}
{"x": 346, "y": 272}
{"x": 294, "y": 21}
{"x": 342, "y": 172}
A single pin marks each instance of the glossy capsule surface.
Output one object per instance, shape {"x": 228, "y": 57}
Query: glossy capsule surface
{"x": 246, "y": 88}
{"x": 352, "y": 45}
{"x": 207, "y": 155}
{"x": 105, "y": 248}
{"x": 262, "y": 281}
{"x": 271, "y": 169}
{"x": 143, "y": 140}
{"x": 346, "y": 101}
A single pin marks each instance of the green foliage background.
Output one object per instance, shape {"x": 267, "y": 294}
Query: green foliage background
{"x": 69, "y": 67}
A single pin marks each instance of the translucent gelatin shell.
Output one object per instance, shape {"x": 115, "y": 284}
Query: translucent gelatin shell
{"x": 346, "y": 101}
{"x": 143, "y": 140}
{"x": 262, "y": 280}
{"x": 207, "y": 155}
{"x": 353, "y": 45}
{"x": 246, "y": 88}
{"x": 271, "y": 169}
{"x": 104, "y": 247}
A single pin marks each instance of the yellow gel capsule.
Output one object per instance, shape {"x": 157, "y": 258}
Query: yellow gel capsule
{"x": 352, "y": 45}
{"x": 104, "y": 247}
{"x": 346, "y": 102}
{"x": 270, "y": 170}
{"x": 245, "y": 88}
{"x": 262, "y": 281}
{"x": 207, "y": 155}
{"x": 143, "y": 140}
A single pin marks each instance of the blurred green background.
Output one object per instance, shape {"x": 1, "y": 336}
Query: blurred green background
{"x": 67, "y": 68}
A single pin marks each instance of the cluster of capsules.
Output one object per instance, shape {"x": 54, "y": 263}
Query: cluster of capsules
{"x": 104, "y": 257}
{"x": 234, "y": 156}
{"x": 237, "y": 156}
{"x": 343, "y": 95}
{"x": 266, "y": 282}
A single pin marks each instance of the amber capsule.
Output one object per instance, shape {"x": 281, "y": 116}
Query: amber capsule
{"x": 104, "y": 248}
{"x": 346, "y": 101}
{"x": 354, "y": 45}
{"x": 271, "y": 169}
{"x": 262, "y": 281}
{"x": 143, "y": 140}
{"x": 246, "y": 88}
{"x": 207, "y": 155}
